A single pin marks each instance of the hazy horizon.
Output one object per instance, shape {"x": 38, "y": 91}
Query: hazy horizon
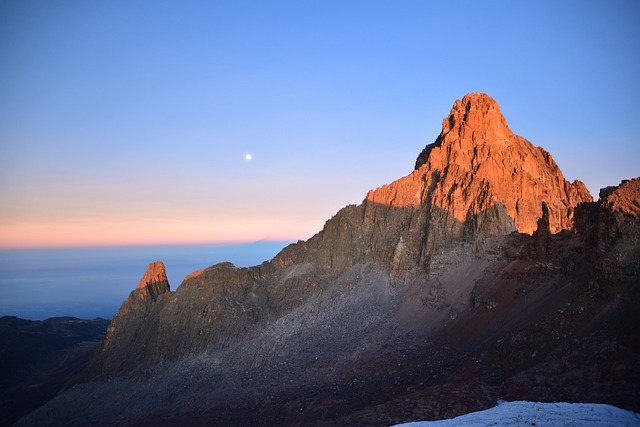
{"x": 93, "y": 282}
{"x": 54, "y": 246}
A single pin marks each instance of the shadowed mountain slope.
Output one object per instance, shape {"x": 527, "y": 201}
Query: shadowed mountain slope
{"x": 38, "y": 357}
{"x": 439, "y": 293}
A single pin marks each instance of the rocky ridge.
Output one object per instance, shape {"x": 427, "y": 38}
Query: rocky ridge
{"x": 456, "y": 280}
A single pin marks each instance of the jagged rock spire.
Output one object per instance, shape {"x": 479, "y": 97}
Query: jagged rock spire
{"x": 154, "y": 282}
{"x": 122, "y": 342}
{"x": 155, "y": 273}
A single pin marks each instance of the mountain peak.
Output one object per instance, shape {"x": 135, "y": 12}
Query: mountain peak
{"x": 153, "y": 283}
{"x": 476, "y": 112}
{"x": 476, "y": 120}
{"x": 478, "y": 169}
{"x": 155, "y": 273}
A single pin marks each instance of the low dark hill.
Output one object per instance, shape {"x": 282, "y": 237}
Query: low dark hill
{"x": 38, "y": 357}
{"x": 483, "y": 274}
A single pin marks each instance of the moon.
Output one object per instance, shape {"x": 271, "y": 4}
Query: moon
{"x": 248, "y": 157}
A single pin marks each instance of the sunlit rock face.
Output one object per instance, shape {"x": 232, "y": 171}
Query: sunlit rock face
{"x": 155, "y": 274}
{"x": 477, "y": 165}
{"x": 431, "y": 298}
{"x": 624, "y": 198}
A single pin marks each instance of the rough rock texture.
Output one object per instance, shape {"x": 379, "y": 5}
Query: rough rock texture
{"x": 427, "y": 300}
{"x": 477, "y": 164}
{"x": 611, "y": 218}
{"x": 154, "y": 282}
{"x": 156, "y": 273}
{"x": 625, "y": 198}
{"x": 126, "y": 338}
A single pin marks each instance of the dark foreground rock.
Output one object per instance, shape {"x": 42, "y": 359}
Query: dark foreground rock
{"x": 38, "y": 357}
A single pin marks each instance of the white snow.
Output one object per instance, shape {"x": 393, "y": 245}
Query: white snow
{"x": 540, "y": 414}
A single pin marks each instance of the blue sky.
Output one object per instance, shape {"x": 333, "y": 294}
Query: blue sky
{"x": 125, "y": 122}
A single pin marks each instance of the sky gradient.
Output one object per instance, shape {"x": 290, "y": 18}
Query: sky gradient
{"x": 128, "y": 122}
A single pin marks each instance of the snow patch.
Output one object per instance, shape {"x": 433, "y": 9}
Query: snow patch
{"x": 540, "y": 414}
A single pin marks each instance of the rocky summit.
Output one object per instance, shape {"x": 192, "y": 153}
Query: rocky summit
{"x": 481, "y": 275}
{"x": 477, "y": 165}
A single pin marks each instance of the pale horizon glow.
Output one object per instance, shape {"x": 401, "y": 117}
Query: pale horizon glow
{"x": 125, "y": 123}
{"x": 134, "y": 233}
